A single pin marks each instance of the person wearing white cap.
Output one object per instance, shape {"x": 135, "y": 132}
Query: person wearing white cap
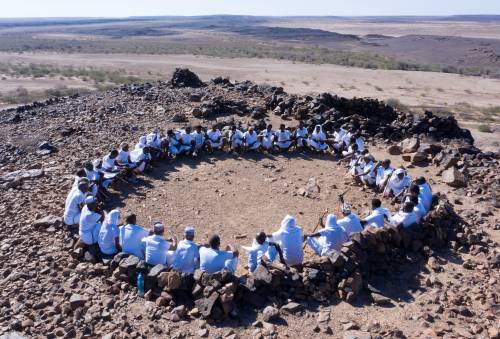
{"x": 90, "y": 222}
{"x": 186, "y": 258}
{"x": 263, "y": 252}
{"x": 378, "y": 216}
{"x": 156, "y": 249}
{"x": 350, "y": 223}
{"x": 317, "y": 141}
{"x": 131, "y": 236}
{"x": 109, "y": 235}
{"x": 406, "y": 216}
{"x": 213, "y": 259}
{"x": 74, "y": 204}
{"x": 290, "y": 238}
{"x": 398, "y": 182}
{"x": 329, "y": 238}
{"x": 251, "y": 140}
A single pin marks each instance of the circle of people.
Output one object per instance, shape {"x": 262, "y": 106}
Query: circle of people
{"x": 100, "y": 231}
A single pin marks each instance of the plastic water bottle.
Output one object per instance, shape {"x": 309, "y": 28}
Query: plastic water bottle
{"x": 140, "y": 284}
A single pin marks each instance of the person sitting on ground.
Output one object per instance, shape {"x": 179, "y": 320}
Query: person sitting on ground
{"x": 153, "y": 141}
{"x": 213, "y": 259}
{"x": 90, "y": 222}
{"x": 397, "y": 184}
{"x": 156, "y": 249}
{"x": 186, "y": 258}
{"x": 383, "y": 172}
{"x": 173, "y": 143}
{"x": 263, "y": 252}
{"x": 419, "y": 208}
{"x": 110, "y": 162}
{"x": 123, "y": 158}
{"x": 109, "y": 235}
{"x": 141, "y": 160}
{"x": 350, "y": 223}
{"x": 289, "y": 237}
{"x": 358, "y": 140}
{"x": 74, "y": 204}
{"x": 283, "y": 139}
{"x": 215, "y": 140}
{"x": 301, "y": 135}
{"x": 235, "y": 139}
{"x": 378, "y": 216}
{"x": 367, "y": 175}
{"x": 199, "y": 139}
{"x": 327, "y": 239}
{"x": 187, "y": 143}
{"x": 425, "y": 193}
{"x": 317, "y": 141}
{"x": 406, "y": 216}
{"x": 338, "y": 140}
{"x": 251, "y": 140}
{"x": 267, "y": 137}
{"x": 81, "y": 176}
{"x": 142, "y": 143}
{"x": 131, "y": 236}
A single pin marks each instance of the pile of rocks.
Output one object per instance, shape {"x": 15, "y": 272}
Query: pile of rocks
{"x": 183, "y": 77}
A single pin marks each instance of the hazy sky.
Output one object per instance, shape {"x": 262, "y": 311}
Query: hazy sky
{"x": 120, "y": 8}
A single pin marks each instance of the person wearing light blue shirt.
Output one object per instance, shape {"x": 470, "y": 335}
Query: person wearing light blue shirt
{"x": 186, "y": 258}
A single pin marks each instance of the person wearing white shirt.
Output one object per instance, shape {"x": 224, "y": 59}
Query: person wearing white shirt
{"x": 383, "y": 172}
{"x": 406, "y": 216}
{"x": 350, "y": 223}
{"x": 289, "y": 237}
{"x": 378, "y": 216}
{"x": 123, "y": 158}
{"x": 215, "y": 140}
{"x": 131, "y": 236}
{"x": 396, "y": 185}
{"x": 358, "y": 140}
{"x": 251, "y": 140}
{"x": 317, "y": 141}
{"x": 109, "y": 162}
{"x": 90, "y": 222}
{"x": 213, "y": 259}
{"x": 327, "y": 239}
{"x": 267, "y": 138}
{"x": 199, "y": 139}
{"x": 367, "y": 175}
{"x": 153, "y": 139}
{"x": 142, "y": 142}
{"x": 419, "y": 208}
{"x": 174, "y": 145}
{"x": 235, "y": 139}
{"x": 263, "y": 252}
{"x": 156, "y": 249}
{"x": 187, "y": 143}
{"x": 186, "y": 258}
{"x": 141, "y": 159}
{"x": 109, "y": 235}
{"x": 283, "y": 139}
{"x": 74, "y": 204}
{"x": 425, "y": 192}
{"x": 301, "y": 135}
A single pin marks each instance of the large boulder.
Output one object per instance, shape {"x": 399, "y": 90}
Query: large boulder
{"x": 410, "y": 145}
{"x": 183, "y": 77}
{"x": 452, "y": 177}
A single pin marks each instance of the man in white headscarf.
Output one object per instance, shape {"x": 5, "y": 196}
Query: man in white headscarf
{"x": 289, "y": 237}
{"x": 378, "y": 215}
{"x": 90, "y": 222}
{"x": 350, "y": 223}
{"x": 283, "y": 139}
{"x": 267, "y": 137}
{"x": 329, "y": 238}
{"x": 251, "y": 140}
{"x": 74, "y": 204}
{"x": 109, "y": 235}
{"x": 317, "y": 141}
{"x": 186, "y": 258}
{"x": 156, "y": 249}
{"x": 397, "y": 184}
{"x": 263, "y": 252}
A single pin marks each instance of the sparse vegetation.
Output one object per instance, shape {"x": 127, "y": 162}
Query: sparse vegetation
{"x": 485, "y": 128}
{"x": 22, "y": 96}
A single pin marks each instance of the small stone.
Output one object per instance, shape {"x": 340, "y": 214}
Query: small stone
{"x": 270, "y": 313}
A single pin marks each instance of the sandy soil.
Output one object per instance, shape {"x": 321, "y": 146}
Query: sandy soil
{"x": 40, "y": 84}
{"x": 411, "y": 88}
{"x": 458, "y": 28}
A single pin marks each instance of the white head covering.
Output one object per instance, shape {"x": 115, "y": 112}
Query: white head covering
{"x": 399, "y": 171}
{"x": 288, "y": 223}
{"x": 331, "y": 222}
{"x": 189, "y": 230}
{"x": 158, "y": 227}
{"x": 346, "y": 208}
{"x": 112, "y": 218}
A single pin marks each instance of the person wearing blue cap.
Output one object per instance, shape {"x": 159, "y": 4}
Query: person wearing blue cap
{"x": 90, "y": 222}
{"x": 156, "y": 249}
{"x": 186, "y": 258}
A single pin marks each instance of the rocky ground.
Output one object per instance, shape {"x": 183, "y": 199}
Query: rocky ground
{"x": 449, "y": 292}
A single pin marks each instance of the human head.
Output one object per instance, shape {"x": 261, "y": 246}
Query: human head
{"x": 331, "y": 221}
{"x": 83, "y": 186}
{"x": 189, "y": 233}
{"x": 354, "y": 147}
{"x": 198, "y": 128}
{"x": 420, "y": 181}
{"x": 376, "y": 203}
{"x": 88, "y": 166}
{"x": 386, "y": 163}
{"x": 269, "y": 127}
{"x": 288, "y": 222}
{"x": 414, "y": 189}
{"x": 414, "y": 199}
{"x": 261, "y": 237}
{"x": 367, "y": 158}
{"x": 301, "y": 123}
{"x": 250, "y": 129}
{"x": 317, "y": 128}
{"x": 214, "y": 242}
{"x": 214, "y": 127}
{"x": 91, "y": 202}
{"x": 113, "y": 154}
{"x": 81, "y": 173}
{"x": 146, "y": 150}
{"x": 113, "y": 217}
{"x": 408, "y": 207}
{"x": 124, "y": 147}
{"x": 282, "y": 127}
{"x": 158, "y": 228}
{"x": 188, "y": 129}
{"x": 131, "y": 219}
{"x": 400, "y": 173}
{"x": 346, "y": 209}
{"x": 233, "y": 128}
{"x": 170, "y": 133}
